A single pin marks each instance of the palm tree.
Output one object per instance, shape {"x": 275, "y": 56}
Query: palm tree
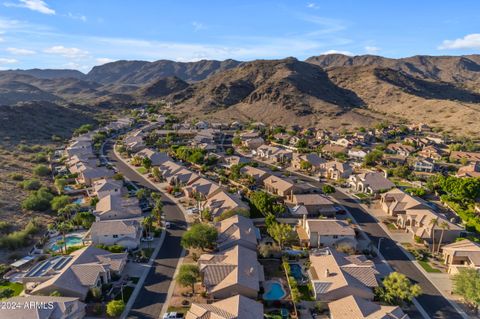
{"x": 147, "y": 224}
{"x": 62, "y": 228}
{"x": 444, "y": 225}
{"x": 157, "y": 212}
{"x": 433, "y": 222}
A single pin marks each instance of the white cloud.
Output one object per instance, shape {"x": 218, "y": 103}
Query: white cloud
{"x": 371, "y": 49}
{"x": 338, "y": 52}
{"x": 34, "y": 5}
{"x": 104, "y": 60}
{"x": 73, "y": 53}
{"x": 7, "y": 61}
{"x": 77, "y": 17}
{"x": 312, "y": 5}
{"x": 470, "y": 41}
{"x": 18, "y": 51}
{"x": 197, "y": 26}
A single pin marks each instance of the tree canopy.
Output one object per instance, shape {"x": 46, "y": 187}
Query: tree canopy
{"x": 397, "y": 289}
{"x": 201, "y": 236}
{"x": 466, "y": 283}
{"x": 188, "y": 275}
{"x": 115, "y": 308}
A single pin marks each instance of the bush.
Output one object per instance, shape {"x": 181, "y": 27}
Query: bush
{"x": 20, "y": 238}
{"x": 115, "y": 308}
{"x": 233, "y": 212}
{"x": 38, "y": 200}
{"x": 41, "y": 170}
{"x": 59, "y": 202}
{"x": 31, "y": 184}
{"x": 6, "y": 293}
{"x": 16, "y": 176}
{"x": 113, "y": 249}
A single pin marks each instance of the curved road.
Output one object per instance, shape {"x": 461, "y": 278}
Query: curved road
{"x": 154, "y": 292}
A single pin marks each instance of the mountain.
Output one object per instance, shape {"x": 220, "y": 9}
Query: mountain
{"x": 142, "y": 72}
{"x": 163, "y": 87}
{"x": 459, "y": 70}
{"x": 47, "y": 73}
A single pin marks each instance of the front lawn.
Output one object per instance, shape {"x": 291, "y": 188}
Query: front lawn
{"x": 142, "y": 170}
{"x": 15, "y": 286}
{"x": 425, "y": 265}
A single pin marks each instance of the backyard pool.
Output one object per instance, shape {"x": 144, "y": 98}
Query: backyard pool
{"x": 296, "y": 271}
{"x": 78, "y": 201}
{"x": 274, "y": 291}
{"x": 68, "y": 188}
{"x": 70, "y": 241}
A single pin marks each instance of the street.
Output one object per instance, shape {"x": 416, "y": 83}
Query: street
{"x": 154, "y": 292}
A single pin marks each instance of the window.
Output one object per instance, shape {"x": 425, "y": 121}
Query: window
{"x": 115, "y": 236}
{"x": 335, "y": 236}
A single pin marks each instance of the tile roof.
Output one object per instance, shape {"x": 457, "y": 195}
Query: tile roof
{"x": 236, "y": 307}
{"x": 354, "y": 307}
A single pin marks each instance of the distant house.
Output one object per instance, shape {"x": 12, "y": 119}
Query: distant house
{"x": 182, "y": 177}
{"x": 396, "y": 201}
{"x": 125, "y": 233}
{"x": 335, "y": 275}
{"x": 259, "y": 175}
{"x": 156, "y": 157}
{"x": 253, "y": 143}
{"x": 343, "y": 142}
{"x": 222, "y": 202}
{"x": 426, "y": 165}
{"x": 168, "y": 170}
{"x": 332, "y": 149}
{"x": 468, "y": 156}
{"x": 274, "y": 153}
{"x": 401, "y": 149}
{"x": 201, "y": 187}
{"x": 358, "y": 155}
{"x": 236, "y": 307}
{"x": 461, "y": 255}
{"x": 278, "y": 186}
{"x": 134, "y": 143}
{"x": 237, "y": 230}
{"x": 92, "y": 174}
{"x": 74, "y": 275}
{"x": 317, "y": 233}
{"x": 312, "y": 159}
{"x": 315, "y": 204}
{"x": 370, "y": 182}
{"x": 43, "y": 307}
{"x": 231, "y": 272}
{"x": 470, "y": 170}
{"x": 354, "y": 307}
{"x": 105, "y": 187}
{"x": 433, "y": 152}
{"x": 117, "y": 207}
{"x": 335, "y": 170}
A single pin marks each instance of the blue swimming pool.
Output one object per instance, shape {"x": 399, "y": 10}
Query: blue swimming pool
{"x": 68, "y": 188}
{"x": 296, "y": 271}
{"x": 70, "y": 241}
{"x": 78, "y": 201}
{"x": 274, "y": 291}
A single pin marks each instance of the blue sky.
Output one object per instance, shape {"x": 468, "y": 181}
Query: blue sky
{"x": 80, "y": 34}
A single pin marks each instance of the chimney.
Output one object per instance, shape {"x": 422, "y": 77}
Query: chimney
{"x": 327, "y": 273}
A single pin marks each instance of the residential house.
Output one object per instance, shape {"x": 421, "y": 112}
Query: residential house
{"x": 236, "y": 307}
{"x": 274, "y": 153}
{"x": 313, "y": 160}
{"x": 182, "y": 177}
{"x": 91, "y": 174}
{"x": 117, "y": 207}
{"x": 222, "y": 202}
{"x": 76, "y": 274}
{"x": 278, "y": 186}
{"x": 237, "y": 230}
{"x": 433, "y": 152}
{"x": 400, "y": 149}
{"x": 354, "y": 307}
{"x": 125, "y": 233}
{"x": 168, "y": 169}
{"x": 468, "y": 156}
{"x": 426, "y": 165}
{"x": 396, "y": 201}
{"x": 335, "y": 170}
{"x": 156, "y": 158}
{"x": 343, "y": 142}
{"x": 332, "y": 149}
{"x": 357, "y": 154}
{"x": 104, "y": 187}
{"x": 43, "y": 307}
{"x": 461, "y": 255}
{"x": 315, "y": 204}
{"x": 253, "y": 143}
{"x": 370, "y": 182}
{"x": 470, "y": 170}
{"x": 335, "y": 275}
{"x": 134, "y": 143}
{"x": 231, "y": 272}
{"x": 258, "y": 175}
{"x": 203, "y": 188}
{"x": 319, "y": 233}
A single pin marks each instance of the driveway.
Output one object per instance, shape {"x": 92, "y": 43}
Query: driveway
{"x": 154, "y": 293}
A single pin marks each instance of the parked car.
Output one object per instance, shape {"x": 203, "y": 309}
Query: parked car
{"x": 172, "y": 315}
{"x": 168, "y": 225}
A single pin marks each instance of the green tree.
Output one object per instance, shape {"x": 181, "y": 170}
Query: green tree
{"x": 232, "y": 212}
{"x": 59, "y": 202}
{"x": 115, "y": 308}
{"x": 328, "y": 189}
{"x": 38, "y": 200}
{"x": 236, "y": 141}
{"x": 433, "y": 223}
{"x": 157, "y": 211}
{"x": 443, "y": 225}
{"x": 188, "y": 275}
{"x": 466, "y": 283}
{"x": 147, "y": 163}
{"x": 201, "y": 236}
{"x": 281, "y": 233}
{"x": 306, "y": 166}
{"x": 262, "y": 202}
{"x": 302, "y": 143}
{"x": 31, "y": 184}
{"x": 41, "y": 170}
{"x": 397, "y": 289}
{"x": 373, "y": 158}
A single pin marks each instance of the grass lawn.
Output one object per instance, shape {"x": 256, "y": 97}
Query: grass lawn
{"x": 305, "y": 293}
{"x": 178, "y": 309}
{"x": 362, "y": 195}
{"x": 15, "y": 286}
{"x": 427, "y": 267}
{"x": 392, "y": 226}
{"x": 142, "y": 170}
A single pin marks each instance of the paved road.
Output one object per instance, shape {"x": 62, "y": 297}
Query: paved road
{"x": 150, "y": 301}
{"x": 431, "y": 300}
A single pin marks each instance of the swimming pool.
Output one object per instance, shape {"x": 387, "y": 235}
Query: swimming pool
{"x": 296, "y": 271}
{"x": 70, "y": 241}
{"x": 78, "y": 201}
{"x": 68, "y": 188}
{"x": 274, "y": 291}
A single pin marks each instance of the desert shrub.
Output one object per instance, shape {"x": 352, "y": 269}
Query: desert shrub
{"x": 41, "y": 170}
{"x": 38, "y": 200}
{"x": 31, "y": 184}
{"x": 16, "y": 176}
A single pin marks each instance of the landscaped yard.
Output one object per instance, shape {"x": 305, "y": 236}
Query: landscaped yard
{"x": 142, "y": 170}
{"x": 425, "y": 265}
{"x": 16, "y": 287}
{"x": 362, "y": 195}
{"x": 305, "y": 293}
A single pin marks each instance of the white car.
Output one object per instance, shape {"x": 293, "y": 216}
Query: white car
{"x": 172, "y": 315}
{"x": 168, "y": 225}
